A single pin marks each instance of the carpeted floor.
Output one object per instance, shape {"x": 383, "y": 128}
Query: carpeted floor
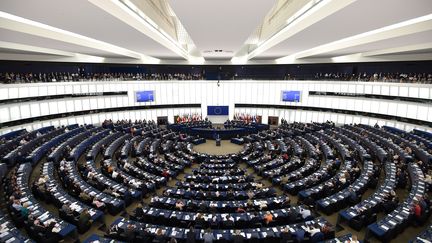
{"x": 210, "y": 147}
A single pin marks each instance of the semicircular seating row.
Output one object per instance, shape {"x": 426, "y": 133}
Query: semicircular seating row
{"x": 88, "y": 171}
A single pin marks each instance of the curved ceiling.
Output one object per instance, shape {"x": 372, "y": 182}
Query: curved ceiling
{"x": 216, "y": 32}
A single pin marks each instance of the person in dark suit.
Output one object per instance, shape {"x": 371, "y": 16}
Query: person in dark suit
{"x": 66, "y": 209}
{"x": 237, "y": 237}
{"x": 84, "y": 217}
{"x": 285, "y": 236}
{"x": 39, "y": 227}
{"x": 145, "y": 235}
{"x": 139, "y": 212}
{"x": 200, "y": 220}
{"x": 190, "y": 235}
{"x": 187, "y": 194}
{"x": 299, "y": 234}
{"x": 130, "y": 232}
{"x": 214, "y": 222}
{"x": 292, "y": 216}
{"x": 228, "y": 223}
{"x": 51, "y": 236}
{"x": 352, "y": 199}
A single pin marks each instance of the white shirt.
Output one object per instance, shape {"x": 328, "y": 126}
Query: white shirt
{"x": 313, "y": 231}
{"x": 305, "y": 213}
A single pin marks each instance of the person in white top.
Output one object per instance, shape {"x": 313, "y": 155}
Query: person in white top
{"x": 352, "y": 240}
{"x": 179, "y": 204}
{"x": 3, "y": 229}
{"x": 262, "y": 204}
{"x": 114, "y": 174}
{"x": 42, "y": 180}
{"x": 305, "y": 213}
{"x": 312, "y": 230}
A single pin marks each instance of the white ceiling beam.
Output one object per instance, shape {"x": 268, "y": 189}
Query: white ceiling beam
{"x": 401, "y": 49}
{"x": 36, "y": 49}
{"x": 128, "y": 13}
{"x": 42, "y": 57}
{"x": 408, "y": 27}
{"x": 19, "y": 24}
{"x": 359, "y": 57}
{"x": 304, "y": 18}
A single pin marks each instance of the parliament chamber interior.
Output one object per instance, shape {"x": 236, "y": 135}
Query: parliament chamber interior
{"x": 215, "y": 121}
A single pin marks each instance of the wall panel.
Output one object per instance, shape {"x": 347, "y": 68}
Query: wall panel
{"x": 229, "y": 93}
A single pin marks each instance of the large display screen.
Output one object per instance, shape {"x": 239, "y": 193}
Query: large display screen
{"x": 217, "y": 110}
{"x": 145, "y": 96}
{"x": 291, "y": 96}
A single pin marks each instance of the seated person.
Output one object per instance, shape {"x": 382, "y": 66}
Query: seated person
{"x": 214, "y": 222}
{"x": 254, "y": 219}
{"x": 262, "y": 205}
{"x": 130, "y": 232}
{"x": 285, "y": 236}
{"x": 229, "y": 222}
{"x": 240, "y": 210}
{"x": 299, "y": 234}
{"x": 160, "y": 237}
{"x": 114, "y": 231}
{"x": 84, "y": 219}
{"x": 417, "y": 209}
{"x": 139, "y": 212}
{"x": 39, "y": 227}
{"x": 305, "y": 213}
{"x": 268, "y": 218}
{"x": 352, "y": 198}
{"x": 313, "y": 230}
{"x": 99, "y": 205}
{"x": 67, "y": 209}
{"x": 354, "y": 239}
{"x": 199, "y": 220}
{"x": 145, "y": 235}
{"x": 24, "y": 211}
{"x": 237, "y": 237}
{"x": 16, "y": 205}
{"x": 85, "y": 197}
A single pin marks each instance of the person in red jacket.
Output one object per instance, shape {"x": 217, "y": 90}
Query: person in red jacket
{"x": 417, "y": 210}
{"x": 165, "y": 173}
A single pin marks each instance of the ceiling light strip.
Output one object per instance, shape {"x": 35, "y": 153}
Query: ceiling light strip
{"x": 177, "y": 47}
{"x": 19, "y": 24}
{"x": 302, "y": 19}
{"x": 408, "y": 27}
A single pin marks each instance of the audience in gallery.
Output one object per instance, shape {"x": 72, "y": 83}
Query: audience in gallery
{"x": 368, "y": 77}
{"x": 11, "y": 77}
{"x": 17, "y": 77}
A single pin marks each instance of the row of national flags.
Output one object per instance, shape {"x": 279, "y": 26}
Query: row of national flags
{"x": 189, "y": 118}
{"x": 245, "y": 117}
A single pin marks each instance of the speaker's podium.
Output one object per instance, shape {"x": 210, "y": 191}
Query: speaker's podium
{"x": 218, "y": 139}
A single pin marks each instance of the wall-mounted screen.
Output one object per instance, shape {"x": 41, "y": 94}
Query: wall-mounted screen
{"x": 217, "y": 110}
{"x": 291, "y": 96}
{"x": 145, "y": 96}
